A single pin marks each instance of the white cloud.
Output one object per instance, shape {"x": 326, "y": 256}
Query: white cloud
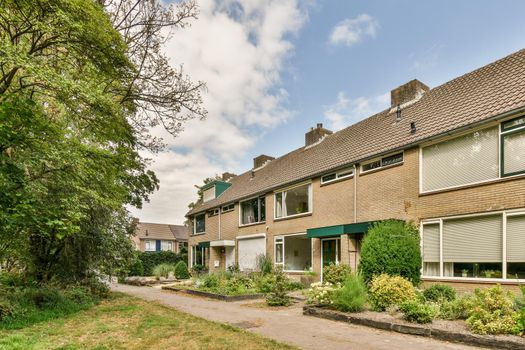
{"x": 353, "y": 30}
{"x": 240, "y": 50}
{"x": 345, "y": 112}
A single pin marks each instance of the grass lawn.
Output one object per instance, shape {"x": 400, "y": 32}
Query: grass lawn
{"x": 125, "y": 322}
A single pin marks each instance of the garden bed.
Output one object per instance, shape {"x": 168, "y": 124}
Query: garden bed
{"x": 213, "y": 295}
{"x": 147, "y": 280}
{"x": 453, "y": 331}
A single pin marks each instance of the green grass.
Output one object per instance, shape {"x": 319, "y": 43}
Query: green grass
{"x": 125, "y": 322}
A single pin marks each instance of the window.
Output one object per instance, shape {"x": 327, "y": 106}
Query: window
{"x": 208, "y": 194}
{"x": 336, "y": 176}
{"x": 293, "y": 252}
{"x": 472, "y": 247}
{"x": 149, "y": 246}
{"x": 253, "y": 211}
{"x": 228, "y": 208}
{"x": 166, "y": 245}
{"x": 198, "y": 255}
{"x": 213, "y": 212}
{"x": 383, "y": 162}
{"x": 293, "y": 201}
{"x": 513, "y": 147}
{"x": 199, "y": 225}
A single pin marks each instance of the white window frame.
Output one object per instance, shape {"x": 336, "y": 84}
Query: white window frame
{"x": 193, "y": 253}
{"x": 150, "y": 241}
{"x": 163, "y": 242}
{"x": 195, "y": 233}
{"x": 461, "y": 134}
{"x": 505, "y": 214}
{"x": 283, "y": 238}
{"x": 228, "y": 210}
{"x": 283, "y": 191}
{"x": 338, "y": 176}
{"x": 208, "y": 194}
{"x": 259, "y": 208}
{"x": 361, "y": 171}
{"x": 213, "y": 212}
{"x": 502, "y": 134}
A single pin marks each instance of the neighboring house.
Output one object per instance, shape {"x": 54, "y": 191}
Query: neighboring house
{"x": 451, "y": 159}
{"x": 152, "y": 237}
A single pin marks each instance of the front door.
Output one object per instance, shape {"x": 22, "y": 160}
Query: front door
{"x": 330, "y": 252}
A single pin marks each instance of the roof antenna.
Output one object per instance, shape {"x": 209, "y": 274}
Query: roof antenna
{"x": 398, "y": 113}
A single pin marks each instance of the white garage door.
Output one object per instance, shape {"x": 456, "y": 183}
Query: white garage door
{"x": 249, "y": 248}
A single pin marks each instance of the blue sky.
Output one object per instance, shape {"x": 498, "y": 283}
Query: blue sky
{"x": 282, "y": 66}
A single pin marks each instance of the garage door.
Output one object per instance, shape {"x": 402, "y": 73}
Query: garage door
{"x": 249, "y": 249}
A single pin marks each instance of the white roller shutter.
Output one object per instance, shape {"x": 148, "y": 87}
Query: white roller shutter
{"x": 431, "y": 243}
{"x": 516, "y": 238}
{"x": 249, "y": 249}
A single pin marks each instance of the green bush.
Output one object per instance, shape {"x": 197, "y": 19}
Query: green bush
{"x": 386, "y": 291}
{"x": 519, "y": 303}
{"x": 457, "y": 309}
{"x": 136, "y": 269}
{"x": 80, "y": 295}
{"x": 265, "y": 284}
{"x": 181, "y": 271}
{"x": 151, "y": 259}
{"x": 391, "y": 247}
{"x": 493, "y": 312}
{"x": 279, "y": 294}
{"x": 351, "y": 297}
{"x": 43, "y": 297}
{"x": 418, "y": 312}
{"x": 439, "y": 292}
{"x": 336, "y": 273}
{"x": 520, "y": 322}
{"x": 6, "y": 309}
{"x": 321, "y": 293}
{"x": 264, "y": 264}
{"x": 97, "y": 288}
{"x": 197, "y": 270}
{"x": 163, "y": 270}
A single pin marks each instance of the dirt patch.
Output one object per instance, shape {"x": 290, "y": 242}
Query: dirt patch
{"x": 264, "y": 306}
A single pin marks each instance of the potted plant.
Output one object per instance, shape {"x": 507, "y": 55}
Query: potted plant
{"x": 464, "y": 273}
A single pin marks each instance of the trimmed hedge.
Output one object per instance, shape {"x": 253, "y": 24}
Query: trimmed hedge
{"x": 146, "y": 262}
{"x": 391, "y": 247}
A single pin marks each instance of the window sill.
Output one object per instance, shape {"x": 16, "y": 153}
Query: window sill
{"x": 252, "y": 224}
{"x": 362, "y": 173}
{"x": 198, "y": 234}
{"x": 336, "y": 180}
{"x": 289, "y": 217}
{"x": 479, "y": 280}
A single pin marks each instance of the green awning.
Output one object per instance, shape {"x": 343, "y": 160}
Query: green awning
{"x": 337, "y": 230}
{"x": 204, "y": 244}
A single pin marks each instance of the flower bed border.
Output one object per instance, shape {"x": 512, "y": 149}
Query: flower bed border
{"x": 214, "y": 295}
{"x": 487, "y": 341}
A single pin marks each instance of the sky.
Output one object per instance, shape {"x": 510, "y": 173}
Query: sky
{"x": 275, "y": 68}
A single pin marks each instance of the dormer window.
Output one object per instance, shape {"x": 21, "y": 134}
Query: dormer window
{"x": 213, "y": 190}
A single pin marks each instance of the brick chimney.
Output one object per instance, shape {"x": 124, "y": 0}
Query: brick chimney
{"x": 412, "y": 90}
{"x": 261, "y": 160}
{"x": 227, "y": 176}
{"x": 315, "y": 134}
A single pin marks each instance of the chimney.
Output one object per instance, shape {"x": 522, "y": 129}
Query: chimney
{"x": 261, "y": 160}
{"x": 227, "y": 176}
{"x": 412, "y": 90}
{"x": 315, "y": 134}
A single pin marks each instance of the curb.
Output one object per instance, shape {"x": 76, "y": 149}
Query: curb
{"x": 214, "y": 295}
{"x": 486, "y": 341}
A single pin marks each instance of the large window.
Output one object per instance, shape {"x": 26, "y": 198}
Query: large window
{"x": 293, "y": 252}
{"x": 198, "y": 255}
{"x": 199, "y": 225}
{"x": 150, "y": 246}
{"x": 293, "y": 201}
{"x": 473, "y": 247}
{"x": 166, "y": 245}
{"x": 253, "y": 211}
{"x": 513, "y": 147}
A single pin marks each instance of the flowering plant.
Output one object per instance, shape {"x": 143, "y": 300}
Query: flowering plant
{"x": 321, "y": 293}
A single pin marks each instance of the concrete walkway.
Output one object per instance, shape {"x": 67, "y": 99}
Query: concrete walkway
{"x": 289, "y": 325}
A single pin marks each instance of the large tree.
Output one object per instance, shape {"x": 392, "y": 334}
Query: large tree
{"x": 81, "y": 84}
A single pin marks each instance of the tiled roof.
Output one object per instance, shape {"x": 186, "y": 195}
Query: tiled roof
{"x": 485, "y": 93}
{"x": 148, "y": 230}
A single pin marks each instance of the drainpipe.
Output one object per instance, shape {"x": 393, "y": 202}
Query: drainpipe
{"x": 355, "y": 193}
{"x": 220, "y": 209}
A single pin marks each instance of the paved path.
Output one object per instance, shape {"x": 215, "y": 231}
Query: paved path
{"x": 289, "y": 325}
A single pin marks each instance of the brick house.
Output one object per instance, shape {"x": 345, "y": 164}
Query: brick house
{"x": 450, "y": 159}
{"x": 151, "y": 237}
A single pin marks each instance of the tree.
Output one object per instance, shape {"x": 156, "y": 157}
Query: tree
{"x": 81, "y": 81}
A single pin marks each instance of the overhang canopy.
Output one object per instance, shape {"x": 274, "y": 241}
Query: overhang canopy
{"x": 337, "y": 230}
{"x": 222, "y": 243}
{"x": 204, "y": 244}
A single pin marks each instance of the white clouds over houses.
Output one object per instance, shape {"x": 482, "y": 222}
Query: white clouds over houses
{"x": 240, "y": 51}
{"x": 352, "y": 31}
{"x": 345, "y": 111}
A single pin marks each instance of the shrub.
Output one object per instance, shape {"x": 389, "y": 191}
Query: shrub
{"x": 97, "y": 288}
{"x": 181, "y": 271}
{"x": 197, "y": 270}
{"x": 321, "y": 293}
{"x": 519, "y": 303}
{"x": 163, "y": 270}
{"x": 336, "y": 273}
{"x": 352, "y": 296}
{"x": 386, "y": 291}
{"x": 457, "y": 309}
{"x": 136, "y": 269}
{"x": 233, "y": 268}
{"x": 520, "y": 322}
{"x": 439, "y": 292}
{"x": 416, "y": 311}
{"x": 265, "y": 284}
{"x": 43, "y": 297}
{"x": 279, "y": 296}
{"x": 80, "y": 295}
{"x": 264, "y": 264}
{"x": 151, "y": 259}
{"x": 493, "y": 312}
{"x": 6, "y": 309}
{"x": 391, "y": 247}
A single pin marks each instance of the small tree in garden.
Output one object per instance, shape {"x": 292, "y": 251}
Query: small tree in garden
{"x": 279, "y": 295}
{"x": 391, "y": 247}
{"x": 181, "y": 271}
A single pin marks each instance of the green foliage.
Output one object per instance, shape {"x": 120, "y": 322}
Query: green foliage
{"x": 386, "y": 291}
{"x": 181, "y": 271}
{"x": 136, "y": 268}
{"x": 439, "y": 292}
{"x": 416, "y": 311}
{"x": 226, "y": 283}
{"x": 457, "y": 309}
{"x": 336, "y": 273}
{"x": 197, "y": 270}
{"x": 150, "y": 260}
{"x": 233, "y": 268}
{"x": 519, "y": 303}
{"x": 520, "y": 322}
{"x": 321, "y": 293}
{"x": 279, "y": 294}
{"x": 351, "y": 297}
{"x": 493, "y": 312}
{"x": 391, "y": 247}
{"x": 263, "y": 264}
{"x": 163, "y": 270}
{"x": 6, "y": 309}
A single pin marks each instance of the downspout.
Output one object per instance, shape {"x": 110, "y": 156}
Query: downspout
{"x": 220, "y": 223}
{"x": 355, "y": 193}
